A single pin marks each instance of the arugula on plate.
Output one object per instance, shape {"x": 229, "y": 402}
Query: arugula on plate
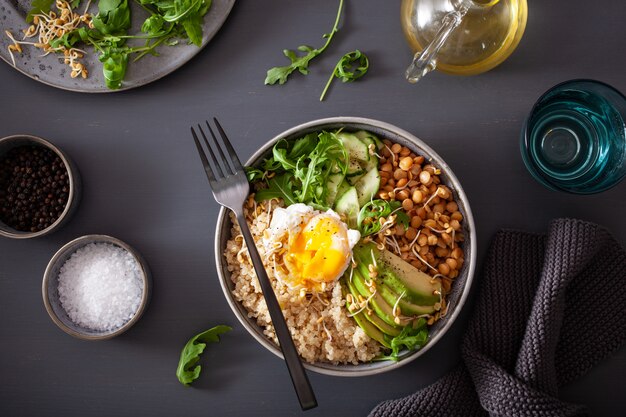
{"x": 300, "y": 169}
{"x": 187, "y": 370}
{"x": 168, "y": 20}
{"x": 113, "y": 17}
{"x": 301, "y": 62}
{"x": 185, "y": 16}
{"x": 38, "y": 7}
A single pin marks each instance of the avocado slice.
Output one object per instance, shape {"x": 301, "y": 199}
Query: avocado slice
{"x": 400, "y": 276}
{"x": 407, "y": 307}
{"x": 379, "y": 305}
{"x": 369, "y": 328}
{"x": 373, "y": 318}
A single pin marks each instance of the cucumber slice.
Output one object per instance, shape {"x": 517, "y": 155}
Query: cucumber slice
{"x": 343, "y": 187}
{"x": 372, "y": 164}
{"x": 367, "y": 186}
{"x": 354, "y": 179}
{"x": 369, "y": 137}
{"x": 354, "y": 168}
{"x": 334, "y": 181}
{"x": 348, "y": 205}
{"x": 367, "y": 140}
{"x": 355, "y": 147}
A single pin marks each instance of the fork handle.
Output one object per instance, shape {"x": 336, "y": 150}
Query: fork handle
{"x": 299, "y": 377}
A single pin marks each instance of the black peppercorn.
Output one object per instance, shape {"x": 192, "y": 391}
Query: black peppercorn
{"x": 34, "y": 188}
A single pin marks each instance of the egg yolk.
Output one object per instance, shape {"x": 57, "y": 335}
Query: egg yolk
{"x": 317, "y": 254}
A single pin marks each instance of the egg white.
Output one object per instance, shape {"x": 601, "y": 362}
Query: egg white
{"x": 287, "y": 224}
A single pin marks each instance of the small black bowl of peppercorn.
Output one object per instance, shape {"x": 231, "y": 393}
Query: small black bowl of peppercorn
{"x": 40, "y": 187}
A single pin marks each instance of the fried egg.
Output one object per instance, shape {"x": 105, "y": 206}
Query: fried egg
{"x": 310, "y": 249}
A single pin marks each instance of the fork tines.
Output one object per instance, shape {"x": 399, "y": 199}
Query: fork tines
{"x": 222, "y": 166}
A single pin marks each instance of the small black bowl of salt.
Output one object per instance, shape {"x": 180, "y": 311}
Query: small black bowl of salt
{"x": 96, "y": 287}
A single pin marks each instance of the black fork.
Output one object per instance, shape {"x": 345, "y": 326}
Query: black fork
{"x": 230, "y": 187}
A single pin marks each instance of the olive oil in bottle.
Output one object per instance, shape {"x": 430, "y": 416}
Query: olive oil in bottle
{"x": 463, "y": 37}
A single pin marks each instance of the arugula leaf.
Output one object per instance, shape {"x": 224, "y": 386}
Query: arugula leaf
{"x": 70, "y": 38}
{"x": 190, "y": 355}
{"x": 280, "y": 186}
{"x": 254, "y": 174}
{"x": 113, "y": 17}
{"x": 193, "y": 28}
{"x": 302, "y": 168}
{"x": 153, "y": 24}
{"x": 410, "y": 338}
{"x": 114, "y": 62}
{"x": 184, "y": 16}
{"x": 343, "y": 70}
{"x": 303, "y": 146}
{"x": 177, "y": 10}
{"x": 74, "y": 3}
{"x": 301, "y": 62}
{"x": 368, "y": 218}
{"x": 38, "y": 7}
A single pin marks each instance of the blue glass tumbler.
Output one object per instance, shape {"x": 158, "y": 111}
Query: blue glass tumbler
{"x": 574, "y": 139}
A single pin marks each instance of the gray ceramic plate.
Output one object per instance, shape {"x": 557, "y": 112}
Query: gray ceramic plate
{"x": 49, "y": 70}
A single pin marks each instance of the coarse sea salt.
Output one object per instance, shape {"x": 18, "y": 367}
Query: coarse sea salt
{"x": 100, "y": 286}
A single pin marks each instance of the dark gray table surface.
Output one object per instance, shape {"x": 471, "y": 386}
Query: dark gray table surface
{"x": 143, "y": 184}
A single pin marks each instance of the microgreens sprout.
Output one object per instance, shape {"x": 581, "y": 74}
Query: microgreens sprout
{"x": 417, "y": 235}
{"x": 324, "y": 302}
{"x": 372, "y": 151}
{"x": 395, "y": 306}
{"x": 363, "y": 305}
{"x": 435, "y": 194}
{"x": 328, "y": 333}
{"x": 415, "y": 252}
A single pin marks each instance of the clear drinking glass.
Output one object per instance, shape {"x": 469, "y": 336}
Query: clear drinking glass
{"x": 574, "y": 139}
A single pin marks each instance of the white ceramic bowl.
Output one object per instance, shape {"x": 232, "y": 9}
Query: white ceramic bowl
{"x": 462, "y": 283}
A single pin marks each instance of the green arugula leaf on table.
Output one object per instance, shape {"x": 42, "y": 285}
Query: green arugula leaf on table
{"x": 344, "y": 69}
{"x": 301, "y": 62}
{"x": 187, "y": 370}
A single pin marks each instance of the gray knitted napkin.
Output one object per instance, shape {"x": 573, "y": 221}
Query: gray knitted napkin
{"x": 550, "y": 307}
